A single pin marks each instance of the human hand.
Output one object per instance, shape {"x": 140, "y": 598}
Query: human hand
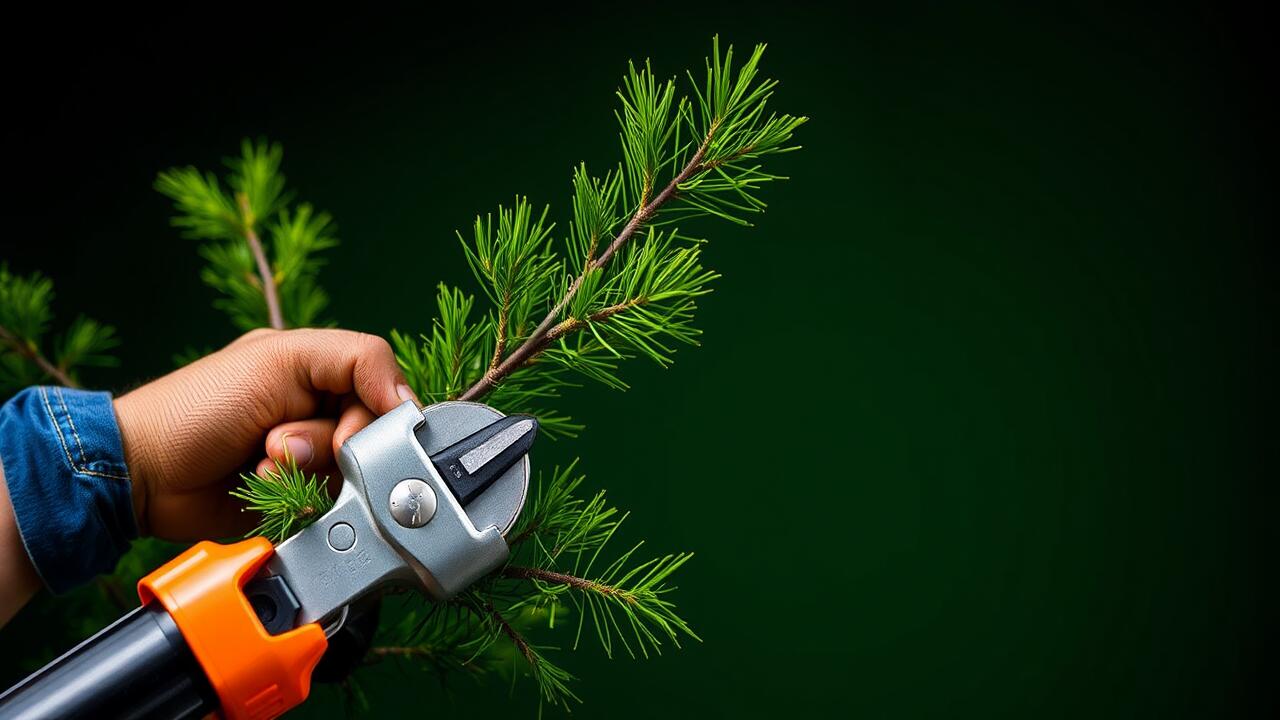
{"x": 188, "y": 435}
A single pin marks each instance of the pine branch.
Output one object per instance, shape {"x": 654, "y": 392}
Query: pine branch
{"x": 708, "y": 179}
{"x": 443, "y": 660}
{"x": 573, "y": 581}
{"x": 526, "y": 650}
{"x": 552, "y": 680}
{"x": 542, "y": 335}
{"x": 635, "y": 595}
{"x": 262, "y": 257}
{"x": 26, "y": 315}
{"x": 265, "y": 276}
{"x": 554, "y": 550}
{"x": 33, "y": 354}
{"x": 574, "y": 324}
{"x": 444, "y": 638}
{"x": 478, "y": 632}
{"x": 558, "y": 521}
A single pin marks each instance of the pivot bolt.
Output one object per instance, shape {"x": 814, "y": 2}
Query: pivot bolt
{"x": 342, "y": 537}
{"x": 413, "y": 503}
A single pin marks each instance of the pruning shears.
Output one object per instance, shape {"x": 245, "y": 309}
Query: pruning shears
{"x": 237, "y": 630}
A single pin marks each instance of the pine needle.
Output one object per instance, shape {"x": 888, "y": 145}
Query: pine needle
{"x": 287, "y": 497}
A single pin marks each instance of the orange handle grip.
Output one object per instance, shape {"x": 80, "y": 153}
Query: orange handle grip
{"x": 256, "y": 675}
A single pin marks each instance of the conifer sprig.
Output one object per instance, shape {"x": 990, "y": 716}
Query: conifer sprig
{"x": 287, "y": 499}
{"x": 634, "y": 593}
{"x": 642, "y": 301}
{"x": 26, "y": 317}
{"x": 558, "y": 543}
{"x": 262, "y": 255}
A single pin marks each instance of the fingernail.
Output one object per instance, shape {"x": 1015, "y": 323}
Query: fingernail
{"x": 300, "y": 448}
{"x": 404, "y": 393}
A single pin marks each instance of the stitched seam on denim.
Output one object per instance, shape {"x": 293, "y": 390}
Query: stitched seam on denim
{"x": 44, "y": 395}
{"x": 84, "y": 461}
{"x": 72, "y": 422}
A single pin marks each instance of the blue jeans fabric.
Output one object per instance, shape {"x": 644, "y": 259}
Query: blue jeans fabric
{"x": 64, "y": 465}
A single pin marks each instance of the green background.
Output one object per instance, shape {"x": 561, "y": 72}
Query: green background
{"x": 977, "y": 427}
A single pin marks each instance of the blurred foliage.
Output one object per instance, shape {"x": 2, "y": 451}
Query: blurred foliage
{"x": 26, "y": 320}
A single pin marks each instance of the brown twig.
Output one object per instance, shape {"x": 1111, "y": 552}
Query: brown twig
{"x": 551, "y": 576}
{"x": 274, "y": 316}
{"x": 573, "y": 324}
{"x": 32, "y": 353}
{"x": 521, "y": 644}
{"x": 538, "y": 340}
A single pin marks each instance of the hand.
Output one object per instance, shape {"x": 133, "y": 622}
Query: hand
{"x": 188, "y": 435}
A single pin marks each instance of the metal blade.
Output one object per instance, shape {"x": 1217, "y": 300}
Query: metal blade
{"x": 472, "y": 464}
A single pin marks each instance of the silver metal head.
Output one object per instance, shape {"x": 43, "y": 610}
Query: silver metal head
{"x": 396, "y": 521}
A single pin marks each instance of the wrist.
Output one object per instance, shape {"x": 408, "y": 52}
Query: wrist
{"x": 137, "y": 458}
{"x": 19, "y": 575}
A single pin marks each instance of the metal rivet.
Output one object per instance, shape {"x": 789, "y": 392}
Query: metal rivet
{"x": 413, "y": 503}
{"x": 341, "y": 537}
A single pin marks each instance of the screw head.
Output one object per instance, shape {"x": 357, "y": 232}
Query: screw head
{"x": 413, "y": 503}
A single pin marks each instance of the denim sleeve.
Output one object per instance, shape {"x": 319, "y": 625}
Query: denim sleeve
{"x": 64, "y": 464}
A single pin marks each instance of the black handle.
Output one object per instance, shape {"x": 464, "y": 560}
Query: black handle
{"x": 137, "y": 668}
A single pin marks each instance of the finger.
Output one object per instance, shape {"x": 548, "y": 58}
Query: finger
{"x": 265, "y": 465}
{"x": 308, "y": 442}
{"x": 267, "y": 468}
{"x": 342, "y": 361}
{"x": 354, "y": 419}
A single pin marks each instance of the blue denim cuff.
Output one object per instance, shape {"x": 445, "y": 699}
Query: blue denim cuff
{"x": 64, "y": 465}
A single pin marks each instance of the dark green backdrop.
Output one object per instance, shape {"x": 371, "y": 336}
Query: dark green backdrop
{"x": 977, "y": 427}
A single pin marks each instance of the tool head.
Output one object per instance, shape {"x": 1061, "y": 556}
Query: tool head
{"x": 426, "y": 500}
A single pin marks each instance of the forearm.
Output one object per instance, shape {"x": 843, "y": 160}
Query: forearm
{"x": 18, "y": 580}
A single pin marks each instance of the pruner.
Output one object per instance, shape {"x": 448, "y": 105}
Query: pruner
{"x": 238, "y": 630}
